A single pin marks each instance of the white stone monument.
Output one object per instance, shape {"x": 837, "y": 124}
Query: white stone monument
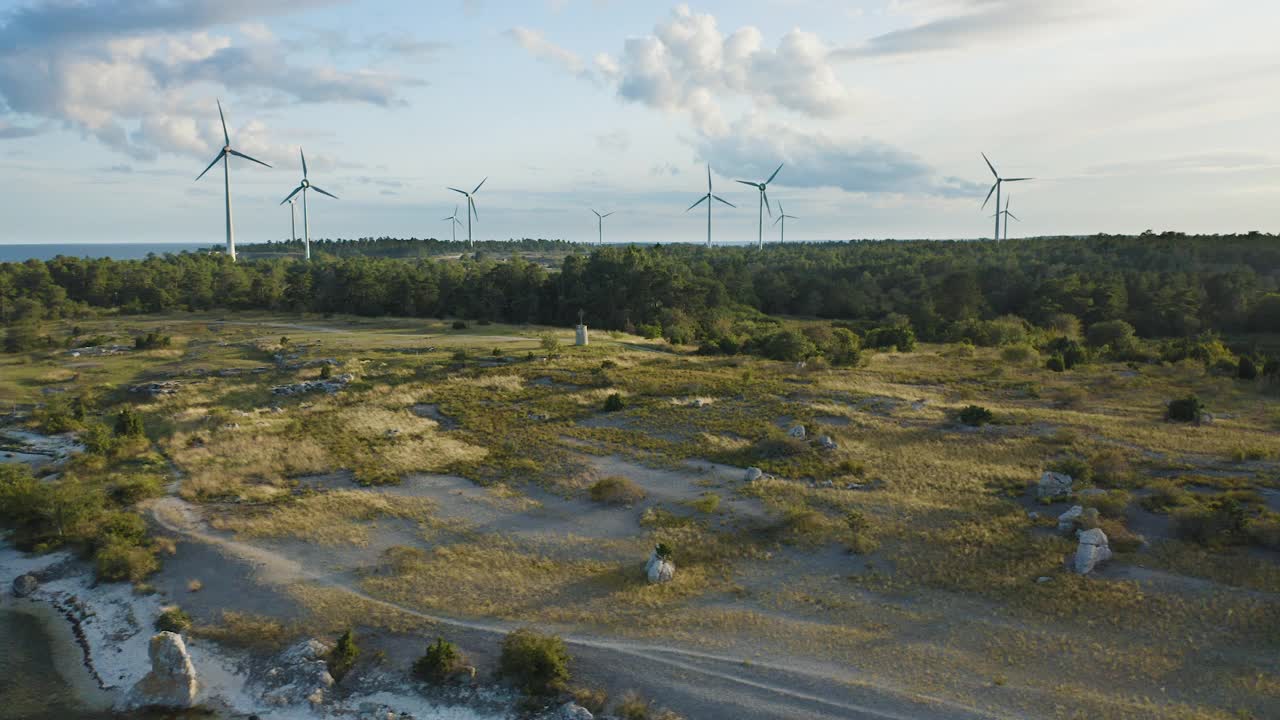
{"x": 580, "y": 337}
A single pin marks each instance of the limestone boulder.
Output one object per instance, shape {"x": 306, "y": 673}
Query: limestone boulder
{"x": 1054, "y": 486}
{"x": 1092, "y": 550}
{"x": 298, "y": 676}
{"x": 172, "y": 681}
{"x": 659, "y": 569}
{"x": 24, "y": 585}
{"x": 753, "y": 474}
{"x": 797, "y": 432}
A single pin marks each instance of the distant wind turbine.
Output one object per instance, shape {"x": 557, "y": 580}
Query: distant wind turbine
{"x": 707, "y": 199}
{"x": 454, "y": 222}
{"x": 225, "y": 156}
{"x": 782, "y": 218}
{"x": 996, "y": 189}
{"x": 600, "y": 226}
{"x": 1005, "y": 212}
{"x": 764, "y": 203}
{"x": 471, "y": 207}
{"x": 302, "y": 188}
{"x": 293, "y": 220}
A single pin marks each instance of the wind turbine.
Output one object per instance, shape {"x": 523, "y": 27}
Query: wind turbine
{"x": 764, "y": 203}
{"x": 782, "y": 218}
{"x": 471, "y": 207}
{"x": 293, "y": 220}
{"x": 302, "y": 188}
{"x": 996, "y": 189}
{"x": 600, "y": 226}
{"x": 707, "y": 199}
{"x": 1005, "y": 212}
{"x": 454, "y": 222}
{"x": 225, "y": 156}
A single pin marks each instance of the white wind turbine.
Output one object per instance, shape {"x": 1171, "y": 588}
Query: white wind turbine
{"x": 996, "y": 189}
{"x": 225, "y": 156}
{"x": 782, "y": 218}
{"x": 600, "y": 226}
{"x": 764, "y": 203}
{"x": 471, "y": 207}
{"x": 302, "y": 188}
{"x": 454, "y": 222}
{"x": 1005, "y": 212}
{"x": 708, "y": 200}
{"x": 293, "y": 220}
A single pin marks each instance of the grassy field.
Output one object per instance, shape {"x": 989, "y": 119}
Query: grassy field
{"x": 454, "y": 475}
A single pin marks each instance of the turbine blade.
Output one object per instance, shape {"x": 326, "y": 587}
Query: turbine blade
{"x": 775, "y": 222}
{"x": 1015, "y": 217}
{"x": 472, "y": 202}
{"x": 744, "y": 182}
{"x": 215, "y": 162}
{"x": 726, "y": 202}
{"x": 700, "y": 201}
{"x": 993, "y": 167}
{"x": 597, "y": 214}
{"x": 304, "y": 162}
{"x": 606, "y": 215}
{"x": 295, "y": 192}
{"x": 989, "y": 194}
{"x": 765, "y": 195}
{"x": 1017, "y": 179}
{"x": 223, "y": 118}
{"x": 324, "y": 192}
{"x": 463, "y": 192}
{"x": 446, "y": 218}
{"x": 774, "y": 175}
{"x": 237, "y": 153}
{"x": 482, "y": 182}
{"x": 708, "y": 177}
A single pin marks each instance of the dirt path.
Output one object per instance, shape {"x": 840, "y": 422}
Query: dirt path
{"x": 718, "y": 685}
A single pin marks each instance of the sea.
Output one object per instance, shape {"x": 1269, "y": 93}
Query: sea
{"x": 31, "y": 683}
{"x": 116, "y": 251}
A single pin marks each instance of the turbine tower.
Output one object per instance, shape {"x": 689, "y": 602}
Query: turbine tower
{"x": 293, "y": 220}
{"x": 1005, "y": 212}
{"x": 782, "y": 218}
{"x": 996, "y": 189}
{"x": 708, "y": 200}
{"x": 600, "y": 226}
{"x": 454, "y": 222}
{"x": 303, "y": 187}
{"x": 764, "y": 203}
{"x": 471, "y": 208}
{"x": 225, "y": 156}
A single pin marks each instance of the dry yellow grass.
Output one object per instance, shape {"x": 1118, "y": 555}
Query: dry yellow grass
{"x": 339, "y": 517}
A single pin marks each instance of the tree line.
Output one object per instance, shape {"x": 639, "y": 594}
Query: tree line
{"x": 1166, "y": 286}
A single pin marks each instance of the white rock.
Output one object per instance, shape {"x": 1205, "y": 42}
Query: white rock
{"x": 659, "y": 570}
{"x": 1067, "y": 520}
{"x": 1093, "y": 549}
{"x": 797, "y": 432}
{"x": 172, "y": 681}
{"x": 753, "y": 474}
{"x": 1053, "y": 485}
{"x": 826, "y": 442}
{"x": 572, "y": 711}
{"x": 300, "y": 676}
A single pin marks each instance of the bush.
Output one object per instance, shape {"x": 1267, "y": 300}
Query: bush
{"x": 632, "y": 707}
{"x": 1018, "y": 354}
{"x": 593, "y": 699}
{"x": 120, "y": 560}
{"x": 153, "y": 340}
{"x": 1246, "y": 369}
{"x": 844, "y": 348}
{"x": 343, "y": 656}
{"x": 1110, "y": 332}
{"x": 1079, "y": 470}
{"x": 537, "y": 663}
{"x": 788, "y": 345}
{"x": 441, "y": 660}
{"x": 899, "y": 337}
{"x": 708, "y": 503}
{"x": 1071, "y": 352}
{"x": 1166, "y": 496}
{"x": 1056, "y": 363}
{"x": 549, "y": 342}
{"x": 616, "y": 490}
{"x": 174, "y": 620}
{"x": 1110, "y": 504}
{"x": 1111, "y": 467}
{"x": 779, "y": 447}
{"x": 1218, "y": 521}
{"x": 460, "y": 325}
{"x": 326, "y": 371}
{"x": 128, "y": 424}
{"x": 613, "y": 403}
{"x": 1188, "y": 409}
{"x": 975, "y": 416}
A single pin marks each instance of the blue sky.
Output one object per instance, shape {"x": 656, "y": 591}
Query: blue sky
{"x": 1145, "y": 114}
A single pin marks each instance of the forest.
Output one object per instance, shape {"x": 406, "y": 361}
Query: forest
{"x": 1152, "y": 286}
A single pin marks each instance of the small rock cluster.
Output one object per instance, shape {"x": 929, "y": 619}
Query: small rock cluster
{"x": 1093, "y": 547}
{"x": 1054, "y": 486}
{"x": 331, "y": 386}
{"x": 659, "y": 569}
{"x": 155, "y": 389}
{"x": 298, "y": 676}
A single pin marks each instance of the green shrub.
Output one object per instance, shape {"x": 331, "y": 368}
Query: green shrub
{"x": 613, "y": 403}
{"x": 537, "y": 663}
{"x": 975, "y": 416}
{"x": 1188, "y": 409}
{"x": 1110, "y": 504}
{"x": 844, "y": 348}
{"x": 549, "y": 342}
{"x": 441, "y": 660}
{"x": 708, "y": 503}
{"x": 616, "y": 490}
{"x": 1019, "y": 354}
{"x": 1075, "y": 466}
{"x": 1111, "y": 468}
{"x": 98, "y": 438}
{"x": 1218, "y": 521}
{"x": 1056, "y": 363}
{"x": 1246, "y": 369}
{"x": 1110, "y": 332}
{"x": 343, "y": 656}
{"x": 151, "y": 341}
{"x": 326, "y": 371}
{"x": 1166, "y": 496}
{"x": 174, "y": 620}
{"x": 122, "y": 527}
{"x": 773, "y": 448}
{"x": 593, "y": 699}
{"x": 120, "y": 560}
{"x": 56, "y": 416}
{"x": 128, "y": 424}
{"x": 459, "y": 324}
{"x": 899, "y": 337}
{"x": 1071, "y": 352}
{"x": 632, "y": 707}
{"x": 788, "y": 345}
{"x": 663, "y": 551}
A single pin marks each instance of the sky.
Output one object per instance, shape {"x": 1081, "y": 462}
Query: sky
{"x": 1135, "y": 115}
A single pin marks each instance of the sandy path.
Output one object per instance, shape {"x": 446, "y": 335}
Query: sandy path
{"x": 722, "y": 685}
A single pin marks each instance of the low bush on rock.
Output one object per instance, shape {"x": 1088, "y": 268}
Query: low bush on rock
{"x": 538, "y": 664}
{"x": 616, "y": 490}
{"x": 613, "y": 403}
{"x": 343, "y": 656}
{"x": 173, "y": 619}
{"x": 441, "y": 660}
{"x": 1188, "y": 409}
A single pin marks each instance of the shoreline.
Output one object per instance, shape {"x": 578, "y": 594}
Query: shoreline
{"x": 68, "y": 651}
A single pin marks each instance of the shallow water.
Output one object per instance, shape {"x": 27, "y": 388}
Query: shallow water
{"x": 30, "y": 684}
